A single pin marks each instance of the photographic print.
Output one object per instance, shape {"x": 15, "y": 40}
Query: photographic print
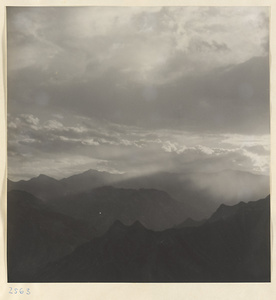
{"x": 138, "y": 144}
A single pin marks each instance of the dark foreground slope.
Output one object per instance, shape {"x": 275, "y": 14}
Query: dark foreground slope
{"x": 37, "y": 235}
{"x": 232, "y": 246}
{"x": 41, "y": 231}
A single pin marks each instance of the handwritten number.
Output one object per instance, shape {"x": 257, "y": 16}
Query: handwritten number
{"x": 21, "y": 291}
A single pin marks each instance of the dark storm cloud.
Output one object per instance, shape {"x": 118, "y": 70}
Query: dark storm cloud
{"x": 153, "y": 68}
{"x": 234, "y": 100}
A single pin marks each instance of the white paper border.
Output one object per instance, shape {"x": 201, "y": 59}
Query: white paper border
{"x": 133, "y": 291}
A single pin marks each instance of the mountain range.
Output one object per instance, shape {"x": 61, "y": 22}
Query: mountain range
{"x": 102, "y": 227}
{"x": 200, "y": 193}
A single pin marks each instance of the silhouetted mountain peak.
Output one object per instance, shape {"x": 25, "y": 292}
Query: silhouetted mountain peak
{"x": 91, "y": 172}
{"x": 226, "y": 211}
{"x": 137, "y": 225}
{"x": 118, "y": 224}
{"x": 117, "y": 227}
{"x": 189, "y": 222}
{"x": 43, "y": 177}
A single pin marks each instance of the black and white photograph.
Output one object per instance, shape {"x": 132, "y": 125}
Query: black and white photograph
{"x": 138, "y": 144}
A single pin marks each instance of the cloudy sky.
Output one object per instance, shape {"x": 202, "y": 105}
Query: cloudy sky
{"x": 180, "y": 89}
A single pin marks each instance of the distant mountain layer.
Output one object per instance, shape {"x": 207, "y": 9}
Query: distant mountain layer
{"x": 201, "y": 193}
{"x": 38, "y": 235}
{"x": 45, "y": 187}
{"x": 232, "y": 246}
{"x": 101, "y": 207}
